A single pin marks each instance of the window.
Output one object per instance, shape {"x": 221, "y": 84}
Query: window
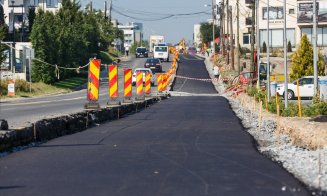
{"x": 275, "y": 13}
{"x": 291, "y": 11}
{"x": 276, "y": 37}
{"x": 321, "y": 35}
{"x": 246, "y": 38}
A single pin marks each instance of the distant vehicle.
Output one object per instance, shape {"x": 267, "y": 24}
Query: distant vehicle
{"x": 155, "y": 40}
{"x": 161, "y": 52}
{"x": 192, "y": 50}
{"x": 141, "y": 51}
{"x": 306, "y": 88}
{"x": 143, "y": 70}
{"x": 153, "y": 64}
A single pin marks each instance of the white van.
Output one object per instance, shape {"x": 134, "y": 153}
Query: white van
{"x": 161, "y": 52}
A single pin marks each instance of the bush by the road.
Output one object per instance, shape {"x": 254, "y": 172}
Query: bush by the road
{"x": 315, "y": 109}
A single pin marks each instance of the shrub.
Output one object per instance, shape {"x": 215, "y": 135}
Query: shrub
{"x": 244, "y": 50}
{"x": 264, "y": 47}
{"x": 3, "y": 87}
{"x": 291, "y": 110}
{"x": 289, "y": 46}
{"x": 21, "y": 86}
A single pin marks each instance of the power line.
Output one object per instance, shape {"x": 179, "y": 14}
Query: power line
{"x": 162, "y": 17}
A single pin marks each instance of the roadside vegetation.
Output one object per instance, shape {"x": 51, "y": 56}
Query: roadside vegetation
{"x": 318, "y": 107}
{"x": 67, "y": 42}
{"x": 22, "y": 88}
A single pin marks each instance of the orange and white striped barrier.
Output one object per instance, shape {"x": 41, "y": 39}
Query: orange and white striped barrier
{"x": 128, "y": 83}
{"x": 159, "y": 83}
{"x": 93, "y": 84}
{"x": 11, "y": 88}
{"x": 147, "y": 83}
{"x": 139, "y": 85}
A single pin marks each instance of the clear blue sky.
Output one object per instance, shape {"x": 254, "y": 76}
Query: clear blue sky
{"x": 174, "y": 28}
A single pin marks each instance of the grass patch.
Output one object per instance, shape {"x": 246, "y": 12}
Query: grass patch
{"x": 71, "y": 83}
{"x": 22, "y": 88}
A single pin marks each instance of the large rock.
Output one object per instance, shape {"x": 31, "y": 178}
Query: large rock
{"x": 3, "y": 125}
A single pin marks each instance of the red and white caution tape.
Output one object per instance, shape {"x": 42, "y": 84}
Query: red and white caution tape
{"x": 197, "y": 79}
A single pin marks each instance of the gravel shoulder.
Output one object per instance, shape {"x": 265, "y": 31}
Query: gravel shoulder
{"x": 297, "y": 144}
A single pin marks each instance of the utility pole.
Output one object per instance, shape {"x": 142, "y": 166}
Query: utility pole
{"x": 222, "y": 20}
{"x": 314, "y": 40}
{"x": 231, "y": 36}
{"x": 285, "y": 59}
{"x": 213, "y": 27}
{"x": 91, "y": 6}
{"x": 258, "y": 44}
{"x": 268, "y": 54}
{"x": 238, "y": 36}
{"x": 105, "y": 9}
{"x": 227, "y": 28}
{"x": 110, "y": 8}
{"x": 252, "y": 35}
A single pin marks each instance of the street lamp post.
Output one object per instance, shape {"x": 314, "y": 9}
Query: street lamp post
{"x": 13, "y": 55}
{"x": 213, "y": 27}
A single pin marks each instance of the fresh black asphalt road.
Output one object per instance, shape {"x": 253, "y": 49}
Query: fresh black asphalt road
{"x": 182, "y": 146}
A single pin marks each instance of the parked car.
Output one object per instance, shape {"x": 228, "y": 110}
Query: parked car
{"x": 306, "y": 88}
{"x": 141, "y": 51}
{"x": 154, "y": 64}
{"x": 143, "y": 70}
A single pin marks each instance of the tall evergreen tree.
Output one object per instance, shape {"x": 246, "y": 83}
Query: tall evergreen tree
{"x": 42, "y": 41}
{"x": 302, "y": 60}
{"x": 3, "y": 35}
{"x": 31, "y": 17}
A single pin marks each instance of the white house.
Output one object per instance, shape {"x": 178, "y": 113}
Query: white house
{"x": 133, "y": 32}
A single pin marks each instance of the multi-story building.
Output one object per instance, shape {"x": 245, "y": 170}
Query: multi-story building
{"x": 133, "y": 32}
{"x": 197, "y": 35}
{"x": 16, "y": 11}
{"x": 299, "y": 17}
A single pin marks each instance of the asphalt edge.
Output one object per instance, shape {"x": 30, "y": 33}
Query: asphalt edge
{"x": 50, "y": 128}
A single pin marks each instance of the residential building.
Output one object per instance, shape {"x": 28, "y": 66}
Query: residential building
{"x": 197, "y": 35}
{"x": 16, "y": 11}
{"x": 298, "y": 21}
{"x": 133, "y": 32}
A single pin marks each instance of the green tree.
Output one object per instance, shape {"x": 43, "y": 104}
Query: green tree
{"x": 69, "y": 38}
{"x": 302, "y": 60}
{"x": 31, "y": 17}
{"x": 42, "y": 40}
{"x": 3, "y": 35}
{"x": 206, "y": 32}
{"x": 289, "y": 46}
{"x": 264, "y": 47}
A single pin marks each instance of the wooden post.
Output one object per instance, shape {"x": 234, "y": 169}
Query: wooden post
{"x": 298, "y": 98}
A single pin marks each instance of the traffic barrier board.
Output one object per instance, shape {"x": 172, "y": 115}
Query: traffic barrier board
{"x": 128, "y": 83}
{"x": 113, "y": 81}
{"x": 93, "y": 80}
